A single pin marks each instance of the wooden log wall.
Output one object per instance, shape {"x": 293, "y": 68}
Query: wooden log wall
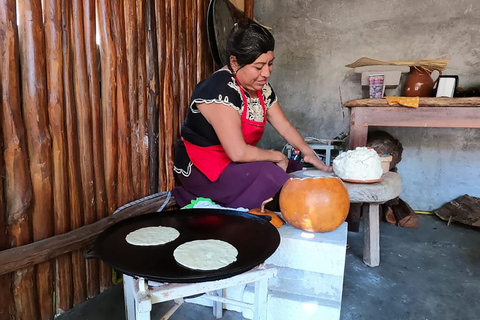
{"x": 93, "y": 94}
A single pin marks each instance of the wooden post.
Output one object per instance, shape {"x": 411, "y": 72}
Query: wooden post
{"x": 200, "y": 32}
{"x": 168, "y": 108}
{"x": 358, "y": 130}
{"x": 85, "y": 139}
{"x": 124, "y": 173}
{"x": 182, "y": 69}
{"x": 131, "y": 34}
{"x": 192, "y": 48}
{"x": 34, "y": 91}
{"x": 371, "y": 235}
{"x": 105, "y": 272}
{"x": 143, "y": 119}
{"x": 74, "y": 180}
{"x": 56, "y": 117}
{"x": 161, "y": 31}
{"x": 175, "y": 61}
{"x": 18, "y": 186}
{"x": 6, "y": 301}
{"x": 109, "y": 101}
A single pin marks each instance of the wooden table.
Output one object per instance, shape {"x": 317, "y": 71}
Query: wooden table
{"x": 431, "y": 113}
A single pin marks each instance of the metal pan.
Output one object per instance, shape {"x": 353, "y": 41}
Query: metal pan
{"x": 221, "y": 16}
{"x": 212, "y": 41}
{"x": 254, "y": 238}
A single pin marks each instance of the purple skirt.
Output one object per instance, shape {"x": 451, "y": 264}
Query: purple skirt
{"x": 244, "y": 185}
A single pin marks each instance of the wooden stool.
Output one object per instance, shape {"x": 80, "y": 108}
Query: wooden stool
{"x": 372, "y": 195}
{"x": 140, "y": 295}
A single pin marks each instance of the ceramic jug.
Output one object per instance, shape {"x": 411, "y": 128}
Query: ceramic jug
{"x": 419, "y": 83}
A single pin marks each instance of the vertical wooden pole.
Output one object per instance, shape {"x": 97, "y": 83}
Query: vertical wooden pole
{"x": 200, "y": 31}
{"x": 358, "y": 129}
{"x": 190, "y": 47}
{"x": 124, "y": 173}
{"x": 85, "y": 140}
{"x": 56, "y": 117}
{"x": 23, "y": 292}
{"x": 158, "y": 28}
{"x": 6, "y": 301}
{"x": 371, "y": 235}
{"x": 74, "y": 179}
{"x": 18, "y": 186}
{"x": 182, "y": 67}
{"x": 34, "y": 91}
{"x": 132, "y": 74}
{"x": 248, "y": 9}
{"x": 109, "y": 101}
{"x": 175, "y": 61}
{"x": 105, "y": 272}
{"x": 144, "y": 145}
{"x": 168, "y": 106}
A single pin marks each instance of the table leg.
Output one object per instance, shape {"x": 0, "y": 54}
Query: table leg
{"x": 358, "y": 130}
{"x": 260, "y": 300}
{"x": 128, "y": 295}
{"x": 354, "y": 217}
{"x": 217, "y": 305}
{"x": 328, "y": 155}
{"x": 137, "y": 307}
{"x": 371, "y": 236}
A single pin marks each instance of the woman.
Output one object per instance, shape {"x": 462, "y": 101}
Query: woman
{"x": 217, "y": 156}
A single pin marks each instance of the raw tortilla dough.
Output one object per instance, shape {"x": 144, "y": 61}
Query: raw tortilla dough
{"x": 208, "y": 254}
{"x": 152, "y": 236}
{"x": 359, "y": 164}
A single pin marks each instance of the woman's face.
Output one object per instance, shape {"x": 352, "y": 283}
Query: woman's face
{"x": 253, "y": 76}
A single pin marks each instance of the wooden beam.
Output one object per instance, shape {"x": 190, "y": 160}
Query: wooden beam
{"x": 40, "y": 251}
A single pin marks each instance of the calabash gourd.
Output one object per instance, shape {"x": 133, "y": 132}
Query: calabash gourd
{"x": 314, "y": 204}
{"x": 276, "y": 221}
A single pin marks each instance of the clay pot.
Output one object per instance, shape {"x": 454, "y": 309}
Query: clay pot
{"x": 419, "y": 83}
{"x": 275, "y": 220}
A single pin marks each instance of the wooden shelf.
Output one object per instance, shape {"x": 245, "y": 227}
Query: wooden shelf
{"x": 423, "y": 102}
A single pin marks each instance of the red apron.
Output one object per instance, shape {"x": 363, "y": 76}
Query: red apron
{"x": 211, "y": 161}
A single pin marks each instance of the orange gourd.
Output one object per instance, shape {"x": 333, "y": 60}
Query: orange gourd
{"x": 314, "y": 204}
{"x": 276, "y": 221}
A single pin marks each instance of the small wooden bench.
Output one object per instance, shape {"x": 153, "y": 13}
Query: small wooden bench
{"x": 372, "y": 195}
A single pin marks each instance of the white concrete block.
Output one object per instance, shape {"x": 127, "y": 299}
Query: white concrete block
{"x": 289, "y": 306}
{"x": 306, "y": 283}
{"x": 315, "y": 252}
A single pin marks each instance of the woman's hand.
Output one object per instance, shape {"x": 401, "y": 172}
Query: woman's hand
{"x": 317, "y": 163}
{"x": 282, "y": 161}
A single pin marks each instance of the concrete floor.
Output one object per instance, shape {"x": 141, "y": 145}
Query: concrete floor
{"x": 432, "y": 272}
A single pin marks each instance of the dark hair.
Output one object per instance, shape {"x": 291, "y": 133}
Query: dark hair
{"x": 247, "y": 41}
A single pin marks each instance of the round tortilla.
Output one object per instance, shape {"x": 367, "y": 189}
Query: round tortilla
{"x": 152, "y": 236}
{"x": 208, "y": 254}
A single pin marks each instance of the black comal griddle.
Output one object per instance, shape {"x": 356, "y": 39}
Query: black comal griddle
{"x": 253, "y": 236}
